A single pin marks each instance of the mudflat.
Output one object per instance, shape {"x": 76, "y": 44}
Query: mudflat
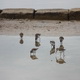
{"x": 44, "y": 27}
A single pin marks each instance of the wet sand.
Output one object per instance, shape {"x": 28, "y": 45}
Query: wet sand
{"x": 44, "y": 27}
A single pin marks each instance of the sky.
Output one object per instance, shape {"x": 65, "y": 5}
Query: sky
{"x": 40, "y": 4}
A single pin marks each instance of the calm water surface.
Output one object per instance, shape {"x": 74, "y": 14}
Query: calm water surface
{"x": 16, "y": 63}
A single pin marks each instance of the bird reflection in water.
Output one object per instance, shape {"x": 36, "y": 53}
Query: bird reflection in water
{"x": 21, "y": 36}
{"x": 33, "y": 53}
{"x": 61, "y": 58}
{"x": 52, "y": 51}
{"x": 37, "y": 40}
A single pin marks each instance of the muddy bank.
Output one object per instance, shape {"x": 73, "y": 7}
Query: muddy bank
{"x": 51, "y": 14}
{"x": 44, "y": 27}
{"x": 41, "y": 14}
{"x": 17, "y": 13}
{"x": 74, "y": 14}
{"x": 0, "y": 10}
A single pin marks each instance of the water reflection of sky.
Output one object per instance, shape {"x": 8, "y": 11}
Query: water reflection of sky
{"x": 16, "y": 64}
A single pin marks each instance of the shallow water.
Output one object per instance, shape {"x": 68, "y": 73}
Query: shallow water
{"x": 16, "y": 63}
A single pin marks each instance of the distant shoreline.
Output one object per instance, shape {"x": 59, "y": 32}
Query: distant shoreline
{"x": 41, "y": 14}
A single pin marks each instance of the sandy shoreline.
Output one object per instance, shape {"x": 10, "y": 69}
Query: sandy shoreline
{"x": 44, "y": 27}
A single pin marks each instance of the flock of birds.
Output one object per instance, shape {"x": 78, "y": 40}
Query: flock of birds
{"x": 53, "y": 50}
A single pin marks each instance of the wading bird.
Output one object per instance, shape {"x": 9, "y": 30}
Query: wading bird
{"x": 61, "y": 39}
{"x": 37, "y": 36}
{"x": 21, "y": 36}
{"x": 52, "y": 47}
{"x": 37, "y": 40}
{"x": 33, "y": 53}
